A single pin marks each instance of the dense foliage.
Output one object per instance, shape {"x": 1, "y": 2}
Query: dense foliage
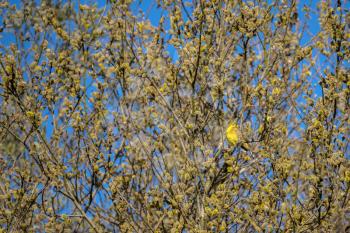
{"x": 113, "y": 116}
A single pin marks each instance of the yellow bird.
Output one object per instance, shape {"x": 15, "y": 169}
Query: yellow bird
{"x": 232, "y": 134}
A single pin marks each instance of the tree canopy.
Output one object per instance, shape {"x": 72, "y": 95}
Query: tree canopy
{"x": 114, "y": 115}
